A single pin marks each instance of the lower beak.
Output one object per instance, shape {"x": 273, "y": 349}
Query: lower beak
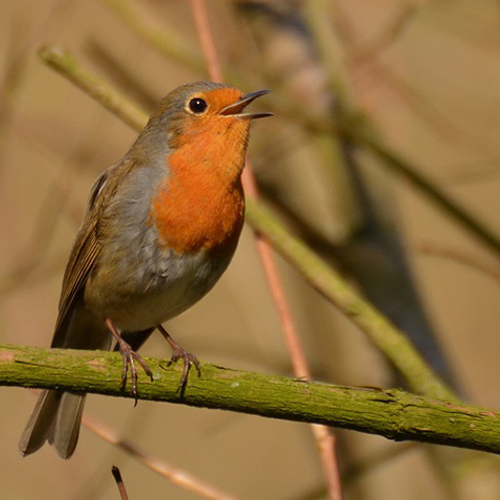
{"x": 236, "y": 108}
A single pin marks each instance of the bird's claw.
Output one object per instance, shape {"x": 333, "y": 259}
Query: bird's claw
{"x": 129, "y": 357}
{"x": 189, "y": 360}
{"x": 179, "y": 353}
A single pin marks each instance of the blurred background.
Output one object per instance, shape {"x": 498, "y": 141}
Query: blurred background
{"x": 422, "y": 76}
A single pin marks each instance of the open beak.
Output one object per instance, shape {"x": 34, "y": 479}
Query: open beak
{"x": 237, "y": 107}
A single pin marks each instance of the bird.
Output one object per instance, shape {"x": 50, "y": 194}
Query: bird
{"x": 161, "y": 227}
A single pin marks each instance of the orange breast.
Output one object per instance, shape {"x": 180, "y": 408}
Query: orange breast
{"x": 201, "y": 204}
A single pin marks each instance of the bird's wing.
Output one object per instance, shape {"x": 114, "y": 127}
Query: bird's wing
{"x": 87, "y": 246}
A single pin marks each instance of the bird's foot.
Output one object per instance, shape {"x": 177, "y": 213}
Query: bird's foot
{"x": 179, "y": 353}
{"x": 129, "y": 357}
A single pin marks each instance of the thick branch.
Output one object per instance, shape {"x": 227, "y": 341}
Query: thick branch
{"x": 394, "y": 414}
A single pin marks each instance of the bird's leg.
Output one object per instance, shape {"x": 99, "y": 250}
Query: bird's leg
{"x": 179, "y": 353}
{"x": 129, "y": 357}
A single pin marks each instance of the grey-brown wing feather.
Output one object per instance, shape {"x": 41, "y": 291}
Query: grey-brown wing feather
{"x": 87, "y": 246}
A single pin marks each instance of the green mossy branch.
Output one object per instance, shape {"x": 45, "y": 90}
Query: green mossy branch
{"x": 111, "y": 99}
{"x": 394, "y": 414}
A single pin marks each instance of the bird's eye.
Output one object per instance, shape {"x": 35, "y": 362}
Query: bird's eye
{"x": 197, "y": 105}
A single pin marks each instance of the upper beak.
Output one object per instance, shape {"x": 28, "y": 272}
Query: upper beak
{"x": 237, "y": 107}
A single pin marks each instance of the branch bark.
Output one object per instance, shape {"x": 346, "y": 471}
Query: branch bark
{"x": 394, "y": 414}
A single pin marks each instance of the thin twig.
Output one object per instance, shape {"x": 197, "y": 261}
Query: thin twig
{"x": 161, "y": 38}
{"x": 177, "y": 48}
{"x": 199, "y": 11}
{"x": 119, "y": 482}
{"x": 176, "y": 476}
{"x": 436, "y": 250}
{"x": 324, "y": 437}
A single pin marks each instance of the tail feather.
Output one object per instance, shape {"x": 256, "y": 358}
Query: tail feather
{"x": 56, "y": 418}
{"x": 41, "y": 422}
{"x": 64, "y": 434}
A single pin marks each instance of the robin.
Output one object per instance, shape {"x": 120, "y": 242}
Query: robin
{"x": 161, "y": 227}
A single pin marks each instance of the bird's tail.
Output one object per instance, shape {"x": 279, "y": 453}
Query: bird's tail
{"x": 56, "y": 418}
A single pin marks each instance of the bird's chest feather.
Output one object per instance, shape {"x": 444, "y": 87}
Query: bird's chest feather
{"x": 200, "y": 206}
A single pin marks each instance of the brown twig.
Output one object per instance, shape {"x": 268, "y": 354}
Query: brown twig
{"x": 119, "y": 482}
{"x": 436, "y": 250}
{"x": 323, "y": 435}
{"x": 178, "y": 477}
{"x": 198, "y": 8}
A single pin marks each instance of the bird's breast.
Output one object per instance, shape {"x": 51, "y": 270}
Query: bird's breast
{"x": 200, "y": 205}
